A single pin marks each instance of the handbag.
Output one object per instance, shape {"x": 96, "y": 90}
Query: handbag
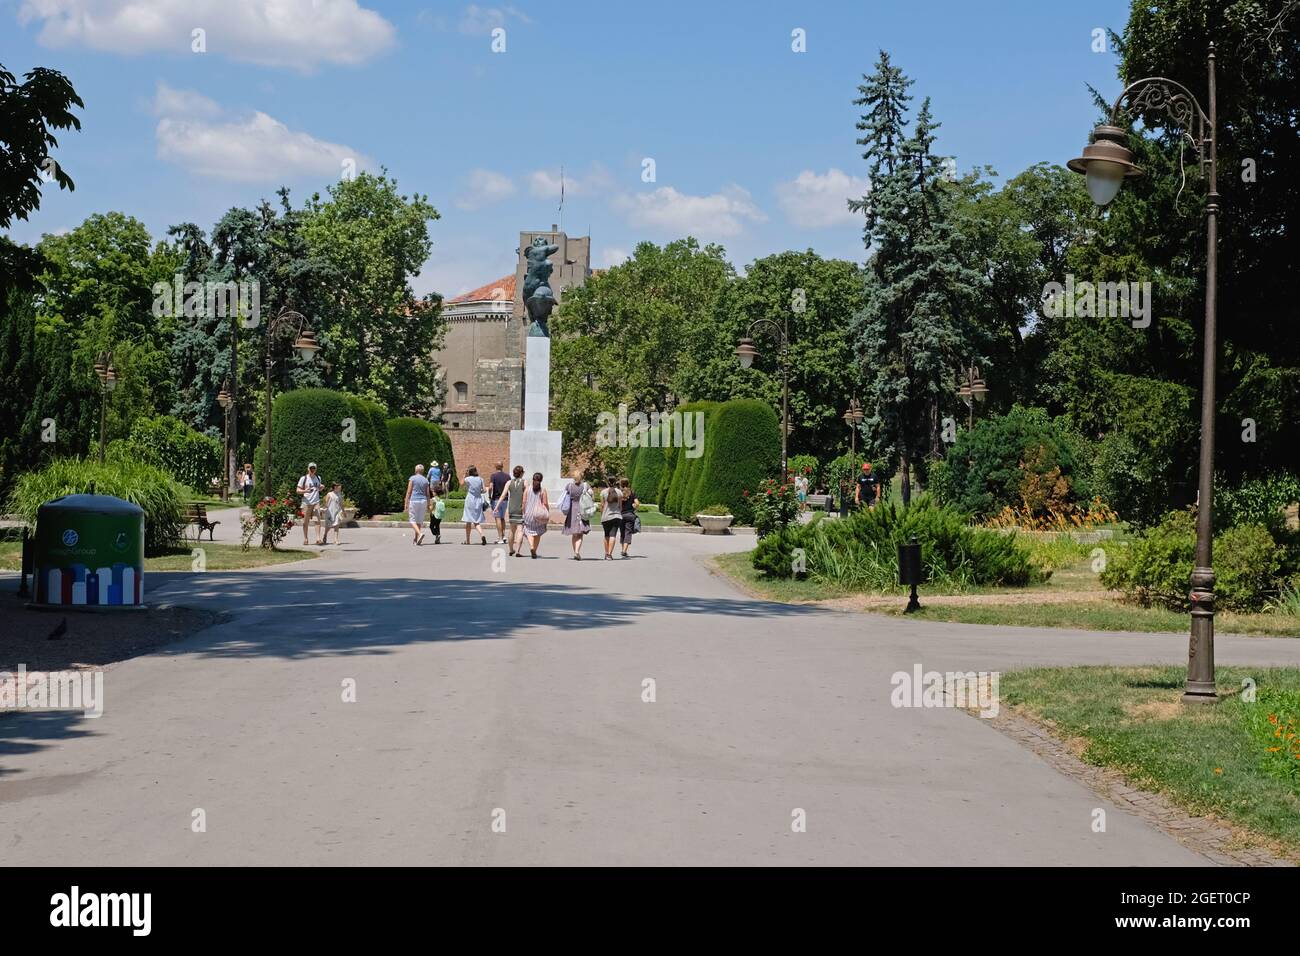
{"x": 588, "y": 503}
{"x": 566, "y": 503}
{"x": 539, "y": 512}
{"x": 636, "y": 524}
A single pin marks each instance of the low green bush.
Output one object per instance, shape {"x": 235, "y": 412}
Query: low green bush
{"x": 1024, "y": 458}
{"x": 1246, "y": 565}
{"x": 1156, "y": 568}
{"x": 860, "y": 552}
{"x": 148, "y": 486}
{"x": 189, "y": 456}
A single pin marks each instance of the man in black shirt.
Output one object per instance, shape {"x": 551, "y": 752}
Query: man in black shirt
{"x": 498, "y": 501}
{"x": 867, "y": 492}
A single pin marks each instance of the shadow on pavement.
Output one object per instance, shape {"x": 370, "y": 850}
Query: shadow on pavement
{"x": 310, "y": 614}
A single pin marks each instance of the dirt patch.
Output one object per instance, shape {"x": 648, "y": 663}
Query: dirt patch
{"x": 58, "y": 640}
{"x": 1158, "y": 710}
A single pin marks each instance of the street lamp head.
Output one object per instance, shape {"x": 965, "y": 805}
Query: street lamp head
{"x": 1106, "y": 162}
{"x": 223, "y": 398}
{"x": 110, "y": 378}
{"x": 306, "y": 345}
{"x": 746, "y": 352}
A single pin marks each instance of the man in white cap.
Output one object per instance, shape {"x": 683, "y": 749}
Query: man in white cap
{"x": 309, "y": 488}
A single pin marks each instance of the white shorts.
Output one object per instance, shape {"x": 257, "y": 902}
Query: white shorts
{"x": 418, "y": 511}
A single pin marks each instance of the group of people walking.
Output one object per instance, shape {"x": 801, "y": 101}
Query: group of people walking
{"x": 519, "y": 509}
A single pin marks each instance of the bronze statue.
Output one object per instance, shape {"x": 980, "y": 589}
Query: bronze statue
{"x": 539, "y": 300}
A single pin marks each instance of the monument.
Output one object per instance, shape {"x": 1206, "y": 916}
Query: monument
{"x": 535, "y": 446}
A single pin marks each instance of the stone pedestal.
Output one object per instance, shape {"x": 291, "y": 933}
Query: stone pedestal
{"x": 535, "y": 446}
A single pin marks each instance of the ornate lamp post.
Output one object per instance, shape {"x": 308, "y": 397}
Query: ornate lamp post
{"x": 1107, "y": 162}
{"x": 107, "y": 374}
{"x": 746, "y": 353}
{"x": 972, "y": 390}
{"x": 306, "y": 346}
{"x": 853, "y": 418}
{"x": 225, "y": 400}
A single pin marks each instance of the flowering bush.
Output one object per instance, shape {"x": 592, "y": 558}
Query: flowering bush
{"x": 774, "y": 505}
{"x": 270, "y": 517}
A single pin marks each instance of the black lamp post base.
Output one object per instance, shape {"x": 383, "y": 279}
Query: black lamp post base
{"x": 912, "y": 603}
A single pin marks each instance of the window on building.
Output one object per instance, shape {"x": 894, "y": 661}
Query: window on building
{"x": 462, "y": 393}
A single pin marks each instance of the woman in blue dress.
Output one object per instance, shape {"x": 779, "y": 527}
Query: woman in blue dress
{"x": 475, "y": 503}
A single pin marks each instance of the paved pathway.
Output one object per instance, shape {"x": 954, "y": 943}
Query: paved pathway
{"x": 521, "y": 690}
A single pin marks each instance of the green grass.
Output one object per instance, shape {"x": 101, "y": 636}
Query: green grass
{"x": 652, "y": 517}
{"x": 738, "y": 566}
{"x": 1211, "y": 759}
{"x": 219, "y": 557}
{"x": 1073, "y": 575}
{"x": 1100, "y": 616}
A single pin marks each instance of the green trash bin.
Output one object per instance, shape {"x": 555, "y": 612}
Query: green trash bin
{"x": 89, "y": 552}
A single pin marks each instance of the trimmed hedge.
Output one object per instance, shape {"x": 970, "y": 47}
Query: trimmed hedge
{"x": 647, "y": 471}
{"x": 417, "y": 442}
{"x": 309, "y": 426}
{"x": 684, "y": 469}
{"x": 379, "y": 422}
{"x": 742, "y": 447}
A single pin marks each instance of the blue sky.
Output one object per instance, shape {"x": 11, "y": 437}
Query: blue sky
{"x": 752, "y": 143}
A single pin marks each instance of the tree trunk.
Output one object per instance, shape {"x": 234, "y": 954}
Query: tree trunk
{"x": 907, "y": 479}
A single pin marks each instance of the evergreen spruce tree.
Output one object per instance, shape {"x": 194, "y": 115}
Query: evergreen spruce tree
{"x": 910, "y": 335}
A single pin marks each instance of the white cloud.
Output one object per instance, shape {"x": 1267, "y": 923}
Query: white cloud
{"x": 610, "y": 257}
{"x": 723, "y": 213}
{"x": 193, "y": 134}
{"x": 169, "y": 101}
{"x": 297, "y": 34}
{"x": 476, "y": 20}
{"x": 545, "y": 183}
{"x": 812, "y": 201}
{"x": 484, "y": 187}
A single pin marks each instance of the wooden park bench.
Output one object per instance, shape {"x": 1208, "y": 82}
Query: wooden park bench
{"x": 819, "y": 501}
{"x": 197, "y": 514}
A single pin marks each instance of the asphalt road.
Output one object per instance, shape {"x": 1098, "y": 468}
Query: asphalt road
{"x": 513, "y": 695}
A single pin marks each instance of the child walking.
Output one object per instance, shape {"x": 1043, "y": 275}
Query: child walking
{"x": 333, "y": 514}
{"x": 438, "y": 509}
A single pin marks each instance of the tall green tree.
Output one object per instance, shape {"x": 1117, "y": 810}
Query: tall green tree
{"x": 915, "y": 328}
{"x": 636, "y": 334}
{"x": 814, "y": 298}
{"x": 380, "y": 338}
{"x": 97, "y": 295}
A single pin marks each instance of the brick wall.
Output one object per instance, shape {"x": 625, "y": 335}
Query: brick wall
{"x": 479, "y": 447}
